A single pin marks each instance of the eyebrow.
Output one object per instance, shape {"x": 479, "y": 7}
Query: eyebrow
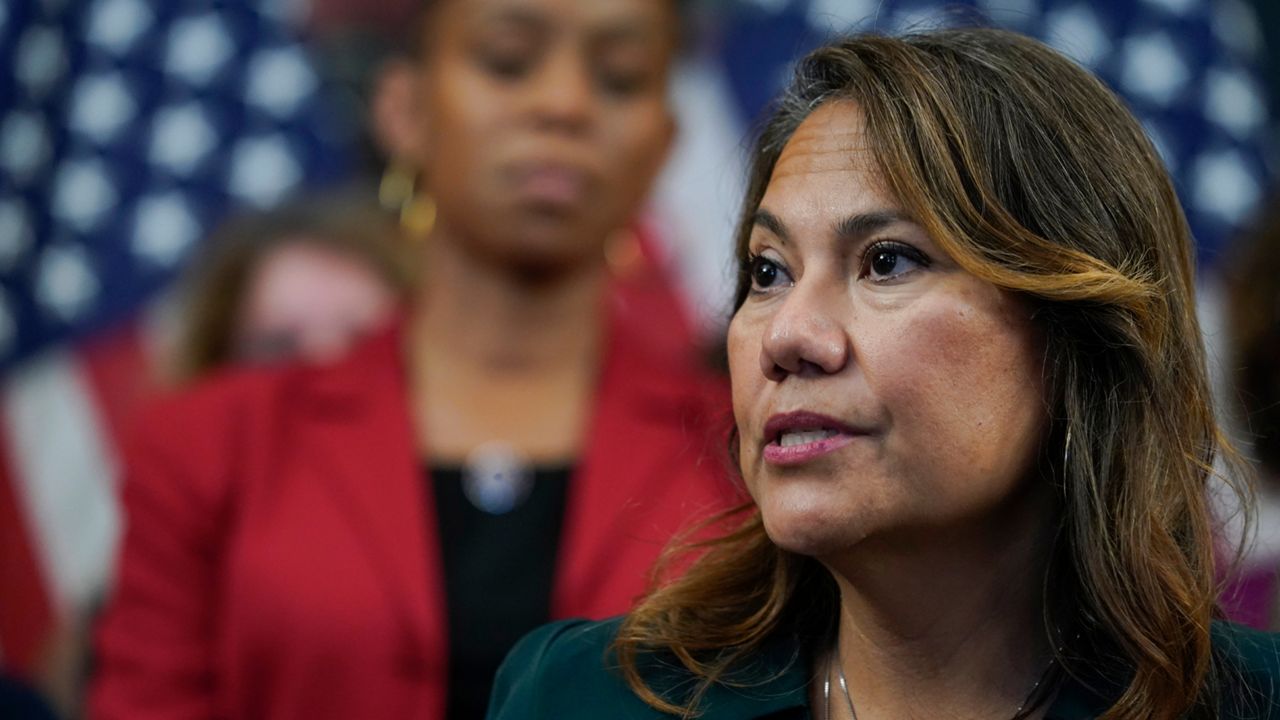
{"x": 770, "y": 222}
{"x": 628, "y": 30}
{"x": 518, "y": 16}
{"x": 851, "y": 227}
{"x": 863, "y": 224}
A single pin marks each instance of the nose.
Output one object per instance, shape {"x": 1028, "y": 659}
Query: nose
{"x": 563, "y": 96}
{"x": 804, "y": 338}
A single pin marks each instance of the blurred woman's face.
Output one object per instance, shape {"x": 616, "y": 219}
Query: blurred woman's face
{"x": 541, "y": 123}
{"x": 880, "y": 390}
{"x": 310, "y": 303}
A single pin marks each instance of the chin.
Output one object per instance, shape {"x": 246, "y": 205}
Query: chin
{"x": 535, "y": 255}
{"x": 813, "y": 531}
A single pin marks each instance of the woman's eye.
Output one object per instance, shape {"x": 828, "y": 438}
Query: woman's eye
{"x": 505, "y": 54}
{"x": 507, "y": 66}
{"x": 622, "y": 83}
{"x": 766, "y": 274}
{"x": 623, "y": 73}
{"x": 886, "y": 261}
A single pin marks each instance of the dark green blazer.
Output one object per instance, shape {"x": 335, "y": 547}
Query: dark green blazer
{"x": 561, "y": 671}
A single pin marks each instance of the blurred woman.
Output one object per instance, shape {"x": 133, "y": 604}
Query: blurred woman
{"x": 368, "y": 538}
{"x": 306, "y": 281}
{"x": 972, "y": 415}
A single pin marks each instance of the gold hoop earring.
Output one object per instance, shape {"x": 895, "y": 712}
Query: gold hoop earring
{"x": 397, "y": 193}
{"x": 418, "y": 216}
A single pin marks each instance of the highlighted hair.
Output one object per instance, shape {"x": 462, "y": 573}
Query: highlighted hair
{"x": 1034, "y": 177}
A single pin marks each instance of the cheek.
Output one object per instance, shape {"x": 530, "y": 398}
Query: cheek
{"x": 357, "y": 285}
{"x": 460, "y": 116}
{"x": 635, "y": 142}
{"x": 965, "y": 390}
{"x": 743, "y": 345}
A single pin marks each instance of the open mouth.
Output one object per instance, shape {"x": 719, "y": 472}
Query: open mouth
{"x": 803, "y": 437}
{"x": 798, "y": 437}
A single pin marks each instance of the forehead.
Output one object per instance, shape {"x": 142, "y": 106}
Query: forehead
{"x": 832, "y": 139}
{"x": 647, "y": 17}
{"x": 826, "y": 168}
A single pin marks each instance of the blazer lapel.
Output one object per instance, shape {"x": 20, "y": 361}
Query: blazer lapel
{"x": 357, "y": 423}
{"x": 650, "y": 417}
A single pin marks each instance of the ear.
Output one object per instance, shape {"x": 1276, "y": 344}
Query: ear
{"x": 395, "y": 113}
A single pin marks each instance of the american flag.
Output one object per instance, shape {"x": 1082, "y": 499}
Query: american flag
{"x": 127, "y": 129}
{"x": 183, "y": 118}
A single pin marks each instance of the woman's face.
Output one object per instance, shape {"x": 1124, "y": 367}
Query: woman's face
{"x": 880, "y": 390}
{"x": 541, "y": 123}
{"x": 311, "y": 303}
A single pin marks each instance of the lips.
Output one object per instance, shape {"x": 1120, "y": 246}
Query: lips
{"x": 798, "y": 437}
{"x": 552, "y": 185}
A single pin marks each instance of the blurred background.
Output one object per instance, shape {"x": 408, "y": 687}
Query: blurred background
{"x": 130, "y": 130}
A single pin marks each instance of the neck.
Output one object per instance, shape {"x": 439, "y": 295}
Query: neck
{"x": 475, "y": 313}
{"x": 947, "y": 623}
{"x": 497, "y": 354}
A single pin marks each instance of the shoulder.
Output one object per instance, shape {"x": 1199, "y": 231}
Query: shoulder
{"x": 565, "y": 646}
{"x": 1256, "y": 650}
{"x": 215, "y": 430}
{"x": 564, "y": 670}
{"x": 1249, "y": 669}
{"x": 657, "y": 359}
{"x": 219, "y": 399}
{"x": 195, "y": 431}
{"x": 232, "y": 400}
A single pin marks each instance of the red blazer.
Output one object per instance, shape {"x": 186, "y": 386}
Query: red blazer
{"x": 281, "y": 561}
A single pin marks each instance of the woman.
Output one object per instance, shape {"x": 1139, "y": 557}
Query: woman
{"x": 367, "y": 539}
{"x": 972, "y": 415}
{"x": 306, "y": 281}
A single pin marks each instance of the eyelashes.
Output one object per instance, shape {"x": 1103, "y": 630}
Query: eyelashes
{"x": 883, "y": 262}
{"x": 765, "y": 273}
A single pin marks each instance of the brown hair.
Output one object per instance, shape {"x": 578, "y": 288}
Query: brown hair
{"x": 1035, "y": 178}
{"x": 215, "y": 289}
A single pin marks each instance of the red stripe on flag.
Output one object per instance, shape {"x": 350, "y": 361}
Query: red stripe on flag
{"x": 118, "y": 371}
{"x": 26, "y": 614}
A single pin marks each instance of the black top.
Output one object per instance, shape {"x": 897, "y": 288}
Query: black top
{"x": 498, "y": 569}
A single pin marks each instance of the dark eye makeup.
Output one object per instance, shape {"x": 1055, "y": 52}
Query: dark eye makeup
{"x": 766, "y": 273}
{"x": 888, "y": 260}
{"x": 881, "y": 262}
